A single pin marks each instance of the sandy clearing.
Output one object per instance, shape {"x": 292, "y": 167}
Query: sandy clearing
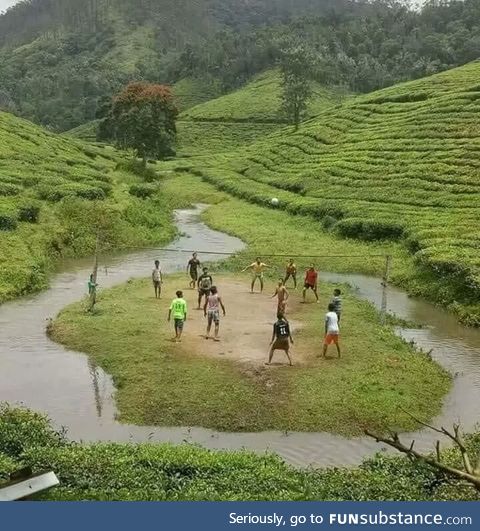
{"x": 246, "y": 330}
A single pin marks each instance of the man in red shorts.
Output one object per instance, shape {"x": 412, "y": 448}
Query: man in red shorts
{"x": 311, "y": 282}
{"x": 332, "y": 331}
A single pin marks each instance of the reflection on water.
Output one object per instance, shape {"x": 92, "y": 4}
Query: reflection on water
{"x": 75, "y": 393}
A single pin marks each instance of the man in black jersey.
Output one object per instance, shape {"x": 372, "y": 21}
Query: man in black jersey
{"x": 192, "y": 267}
{"x": 281, "y": 338}
{"x": 205, "y": 283}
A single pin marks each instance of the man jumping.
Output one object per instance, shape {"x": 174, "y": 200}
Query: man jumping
{"x": 211, "y": 310}
{"x": 258, "y": 269}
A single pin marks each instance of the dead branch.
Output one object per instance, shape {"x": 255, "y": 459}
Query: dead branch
{"x": 469, "y": 475}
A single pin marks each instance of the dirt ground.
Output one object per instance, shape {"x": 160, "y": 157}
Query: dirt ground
{"x": 246, "y": 331}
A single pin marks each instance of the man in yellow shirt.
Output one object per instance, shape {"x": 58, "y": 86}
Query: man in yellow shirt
{"x": 178, "y": 309}
{"x": 258, "y": 269}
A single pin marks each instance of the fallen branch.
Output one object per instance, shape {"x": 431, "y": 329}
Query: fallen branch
{"x": 470, "y": 475}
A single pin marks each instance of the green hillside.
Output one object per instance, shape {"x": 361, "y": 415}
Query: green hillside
{"x": 259, "y": 101}
{"x": 55, "y": 195}
{"x": 402, "y": 163}
{"x": 243, "y": 116}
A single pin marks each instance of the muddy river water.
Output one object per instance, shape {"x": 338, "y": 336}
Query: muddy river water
{"x": 46, "y": 377}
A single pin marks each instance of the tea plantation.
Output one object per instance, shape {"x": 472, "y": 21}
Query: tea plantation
{"x": 399, "y": 164}
{"x": 243, "y": 116}
{"x": 186, "y": 472}
{"x": 56, "y": 194}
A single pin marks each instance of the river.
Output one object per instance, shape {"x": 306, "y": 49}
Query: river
{"x": 45, "y": 377}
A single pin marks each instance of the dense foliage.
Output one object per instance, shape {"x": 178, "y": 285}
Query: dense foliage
{"x": 56, "y": 194}
{"x": 60, "y": 59}
{"x": 165, "y": 472}
{"x": 142, "y": 118}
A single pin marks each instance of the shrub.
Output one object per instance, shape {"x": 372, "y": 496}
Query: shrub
{"x": 7, "y": 222}
{"x": 370, "y": 230}
{"x": 143, "y": 191}
{"x": 328, "y": 222}
{"x": 29, "y": 213}
{"x": 56, "y": 193}
{"x": 8, "y": 189}
{"x": 21, "y": 429}
{"x": 136, "y": 167}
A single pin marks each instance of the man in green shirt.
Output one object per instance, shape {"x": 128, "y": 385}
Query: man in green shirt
{"x": 178, "y": 310}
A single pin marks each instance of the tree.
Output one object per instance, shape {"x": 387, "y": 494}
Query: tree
{"x": 296, "y": 64}
{"x": 142, "y": 118}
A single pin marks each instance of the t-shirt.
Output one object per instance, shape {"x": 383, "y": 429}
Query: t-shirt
{"x": 92, "y": 287}
{"x": 156, "y": 275}
{"x": 205, "y": 282}
{"x": 179, "y": 308}
{"x": 331, "y": 319}
{"x": 193, "y": 264}
{"x": 337, "y": 301}
{"x": 311, "y": 277}
{"x": 281, "y": 329}
{"x": 213, "y": 303}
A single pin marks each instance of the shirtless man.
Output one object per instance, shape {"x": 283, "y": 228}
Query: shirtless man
{"x": 258, "y": 269}
{"x": 211, "y": 310}
{"x": 291, "y": 271}
{"x": 282, "y": 294}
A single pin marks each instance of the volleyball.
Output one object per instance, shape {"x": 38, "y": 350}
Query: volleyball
{"x": 275, "y": 201}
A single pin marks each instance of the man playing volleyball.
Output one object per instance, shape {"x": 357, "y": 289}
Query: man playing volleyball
{"x": 211, "y": 310}
{"x": 311, "y": 282}
{"x": 258, "y": 268}
{"x": 282, "y": 294}
{"x": 332, "y": 331}
{"x": 281, "y": 338}
{"x": 291, "y": 271}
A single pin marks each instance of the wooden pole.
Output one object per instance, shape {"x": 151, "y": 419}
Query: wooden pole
{"x": 386, "y": 279}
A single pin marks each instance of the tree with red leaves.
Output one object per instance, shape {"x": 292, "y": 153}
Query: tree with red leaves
{"x": 142, "y": 118}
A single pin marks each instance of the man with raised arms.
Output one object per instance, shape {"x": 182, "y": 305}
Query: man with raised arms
{"x": 258, "y": 268}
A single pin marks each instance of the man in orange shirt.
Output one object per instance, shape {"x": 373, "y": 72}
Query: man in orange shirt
{"x": 311, "y": 282}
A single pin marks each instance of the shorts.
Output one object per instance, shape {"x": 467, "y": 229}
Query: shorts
{"x": 214, "y": 316}
{"x": 257, "y": 275}
{"x": 331, "y": 339}
{"x": 157, "y": 283}
{"x": 309, "y": 286}
{"x": 281, "y": 343}
{"x": 194, "y": 275}
{"x": 179, "y": 323}
{"x": 281, "y": 306}
{"x": 204, "y": 292}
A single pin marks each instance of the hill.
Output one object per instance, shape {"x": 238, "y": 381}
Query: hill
{"x": 243, "y": 116}
{"x": 400, "y": 164}
{"x": 59, "y": 59}
{"x": 56, "y": 195}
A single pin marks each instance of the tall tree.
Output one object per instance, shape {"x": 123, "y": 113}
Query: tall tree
{"x": 296, "y": 64}
{"x": 142, "y": 118}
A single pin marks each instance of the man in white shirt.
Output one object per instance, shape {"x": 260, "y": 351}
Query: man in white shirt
{"x": 332, "y": 330}
{"x": 157, "y": 279}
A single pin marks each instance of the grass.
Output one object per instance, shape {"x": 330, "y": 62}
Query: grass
{"x": 399, "y": 164}
{"x": 56, "y": 193}
{"x": 159, "y": 383}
